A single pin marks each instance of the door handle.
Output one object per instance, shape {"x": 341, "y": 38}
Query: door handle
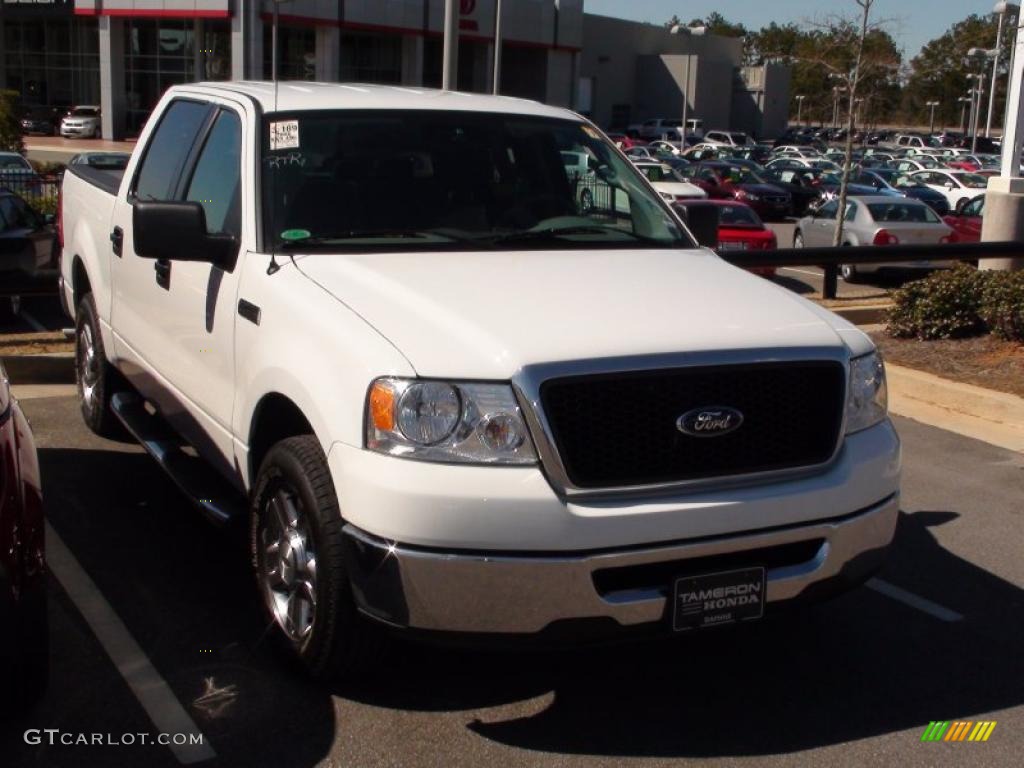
{"x": 162, "y": 267}
{"x": 117, "y": 240}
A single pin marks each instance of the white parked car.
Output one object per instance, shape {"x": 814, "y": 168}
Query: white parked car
{"x": 921, "y": 163}
{"x": 445, "y": 398}
{"x": 729, "y": 138}
{"x": 82, "y": 123}
{"x": 959, "y": 187}
{"x": 793, "y": 150}
{"x": 670, "y": 184}
{"x": 875, "y": 220}
{"x": 821, "y": 163}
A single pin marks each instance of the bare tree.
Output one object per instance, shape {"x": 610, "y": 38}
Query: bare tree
{"x": 853, "y": 82}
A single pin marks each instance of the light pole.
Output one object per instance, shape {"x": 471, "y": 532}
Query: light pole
{"x": 977, "y": 92}
{"x": 679, "y": 29}
{"x": 450, "y": 51}
{"x": 799, "y": 107}
{"x": 1004, "y": 10}
{"x": 964, "y": 100}
{"x": 836, "y": 90}
{"x": 931, "y": 120}
{"x": 497, "y": 48}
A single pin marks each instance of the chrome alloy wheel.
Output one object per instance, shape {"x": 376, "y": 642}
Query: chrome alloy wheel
{"x": 88, "y": 365}
{"x": 287, "y": 570}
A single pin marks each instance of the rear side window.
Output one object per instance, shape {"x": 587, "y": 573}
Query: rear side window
{"x": 168, "y": 149}
{"x": 216, "y": 182}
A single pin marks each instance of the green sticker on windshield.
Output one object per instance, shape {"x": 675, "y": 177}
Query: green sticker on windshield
{"x": 296, "y": 234}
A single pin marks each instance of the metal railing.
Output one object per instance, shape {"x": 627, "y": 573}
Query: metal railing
{"x": 830, "y": 259}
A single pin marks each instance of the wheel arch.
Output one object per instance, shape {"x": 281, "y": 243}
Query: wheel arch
{"x": 275, "y": 418}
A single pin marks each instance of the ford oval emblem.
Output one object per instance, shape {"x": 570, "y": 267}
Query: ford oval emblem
{"x": 710, "y": 421}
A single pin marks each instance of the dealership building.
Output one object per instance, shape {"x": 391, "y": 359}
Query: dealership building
{"x": 123, "y": 54}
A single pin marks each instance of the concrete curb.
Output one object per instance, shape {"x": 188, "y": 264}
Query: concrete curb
{"x": 54, "y": 368}
{"x": 983, "y": 414}
{"x": 865, "y": 314}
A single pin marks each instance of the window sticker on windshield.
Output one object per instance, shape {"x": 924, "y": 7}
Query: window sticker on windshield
{"x": 284, "y": 135}
{"x": 296, "y": 234}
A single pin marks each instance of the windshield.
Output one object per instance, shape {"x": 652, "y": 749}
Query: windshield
{"x": 658, "y": 173}
{"x": 902, "y": 212}
{"x": 738, "y": 174}
{"x": 14, "y": 163}
{"x": 84, "y": 112}
{"x": 972, "y": 180}
{"x": 738, "y": 217}
{"x": 449, "y": 180}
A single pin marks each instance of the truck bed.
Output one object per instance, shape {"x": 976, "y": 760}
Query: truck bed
{"x": 107, "y": 180}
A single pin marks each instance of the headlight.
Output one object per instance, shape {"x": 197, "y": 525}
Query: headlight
{"x": 867, "y": 401}
{"x": 751, "y": 196}
{"x": 447, "y": 422}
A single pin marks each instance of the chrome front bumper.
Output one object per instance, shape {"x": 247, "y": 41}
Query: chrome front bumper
{"x": 414, "y": 587}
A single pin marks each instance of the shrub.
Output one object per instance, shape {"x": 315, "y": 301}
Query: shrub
{"x": 10, "y": 122}
{"x": 944, "y": 305}
{"x": 1002, "y": 306}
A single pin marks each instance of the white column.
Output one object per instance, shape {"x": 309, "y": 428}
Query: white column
{"x": 412, "y": 60}
{"x": 328, "y": 54}
{"x": 1013, "y": 133}
{"x": 113, "y": 104}
{"x": 247, "y": 41}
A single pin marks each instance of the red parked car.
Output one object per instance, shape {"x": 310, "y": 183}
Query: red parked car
{"x": 723, "y": 180}
{"x": 739, "y": 229}
{"x": 966, "y": 223}
{"x": 624, "y": 142}
{"x": 24, "y": 634}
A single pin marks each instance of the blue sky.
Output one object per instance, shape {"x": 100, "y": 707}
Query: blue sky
{"x": 912, "y": 22}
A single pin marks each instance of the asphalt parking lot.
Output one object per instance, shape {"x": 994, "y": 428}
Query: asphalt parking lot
{"x": 853, "y": 682}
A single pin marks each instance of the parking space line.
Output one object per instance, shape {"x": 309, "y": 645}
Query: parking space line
{"x": 909, "y": 598}
{"x": 801, "y": 271}
{"x": 36, "y": 325}
{"x": 150, "y": 689}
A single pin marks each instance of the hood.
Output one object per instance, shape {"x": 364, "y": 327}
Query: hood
{"x": 486, "y": 315}
{"x": 762, "y": 189}
{"x": 679, "y": 188}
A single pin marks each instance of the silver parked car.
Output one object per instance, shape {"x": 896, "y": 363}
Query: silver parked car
{"x": 875, "y": 220}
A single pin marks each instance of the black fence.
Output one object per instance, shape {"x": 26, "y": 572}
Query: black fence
{"x": 38, "y": 191}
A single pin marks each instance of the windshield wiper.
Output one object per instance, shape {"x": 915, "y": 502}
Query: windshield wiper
{"x": 376, "y": 234}
{"x": 557, "y": 232}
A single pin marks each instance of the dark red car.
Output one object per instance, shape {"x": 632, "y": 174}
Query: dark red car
{"x": 24, "y": 634}
{"x": 739, "y": 229}
{"x": 966, "y": 223}
{"x": 723, "y": 180}
{"x": 624, "y": 142}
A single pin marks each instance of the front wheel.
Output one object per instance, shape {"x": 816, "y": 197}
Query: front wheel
{"x": 297, "y": 556}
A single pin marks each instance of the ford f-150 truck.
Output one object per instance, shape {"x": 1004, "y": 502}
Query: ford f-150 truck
{"x": 377, "y": 324}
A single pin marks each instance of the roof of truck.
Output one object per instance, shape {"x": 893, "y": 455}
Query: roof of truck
{"x": 302, "y": 95}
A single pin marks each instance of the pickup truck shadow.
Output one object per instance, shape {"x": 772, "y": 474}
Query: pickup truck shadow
{"x": 859, "y": 666}
{"x": 182, "y": 588}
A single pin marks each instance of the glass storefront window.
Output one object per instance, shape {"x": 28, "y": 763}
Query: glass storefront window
{"x": 371, "y": 58}
{"x": 53, "y": 62}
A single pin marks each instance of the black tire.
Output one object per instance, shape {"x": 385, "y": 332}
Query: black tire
{"x": 338, "y": 642}
{"x": 95, "y": 378}
{"x": 849, "y": 273}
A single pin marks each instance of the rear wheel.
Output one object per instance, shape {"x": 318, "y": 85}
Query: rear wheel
{"x": 297, "y": 556}
{"x": 849, "y": 273}
{"x": 95, "y": 378}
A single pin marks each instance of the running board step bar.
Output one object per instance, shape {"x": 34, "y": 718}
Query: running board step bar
{"x": 215, "y": 497}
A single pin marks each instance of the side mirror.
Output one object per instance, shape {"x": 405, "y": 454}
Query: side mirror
{"x": 702, "y": 221}
{"x": 176, "y": 231}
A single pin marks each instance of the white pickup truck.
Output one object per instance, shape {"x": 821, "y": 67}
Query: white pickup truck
{"x": 377, "y": 324}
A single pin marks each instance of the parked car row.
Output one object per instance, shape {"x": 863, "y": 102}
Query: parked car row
{"x": 72, "y": 122}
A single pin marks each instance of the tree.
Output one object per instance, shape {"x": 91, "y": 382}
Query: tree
{"x": 939, "y": 73}
{"x": 10, "y": 122}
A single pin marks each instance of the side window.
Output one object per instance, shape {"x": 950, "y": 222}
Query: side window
{"x": 216, "y": 182}
{"x": 851, "y": 212}
{"x": 7, "y": 213}
{"x": 828, "y": 211}
{"x": 169, "y": 147}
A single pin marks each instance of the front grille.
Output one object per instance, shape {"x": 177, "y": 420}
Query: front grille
{"x": 619, "y": 430}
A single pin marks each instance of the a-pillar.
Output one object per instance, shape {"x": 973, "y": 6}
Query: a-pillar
{"x": 113, "y": 104}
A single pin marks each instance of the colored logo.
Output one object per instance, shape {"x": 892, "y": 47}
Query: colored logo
{"x": 958, "y": 730}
